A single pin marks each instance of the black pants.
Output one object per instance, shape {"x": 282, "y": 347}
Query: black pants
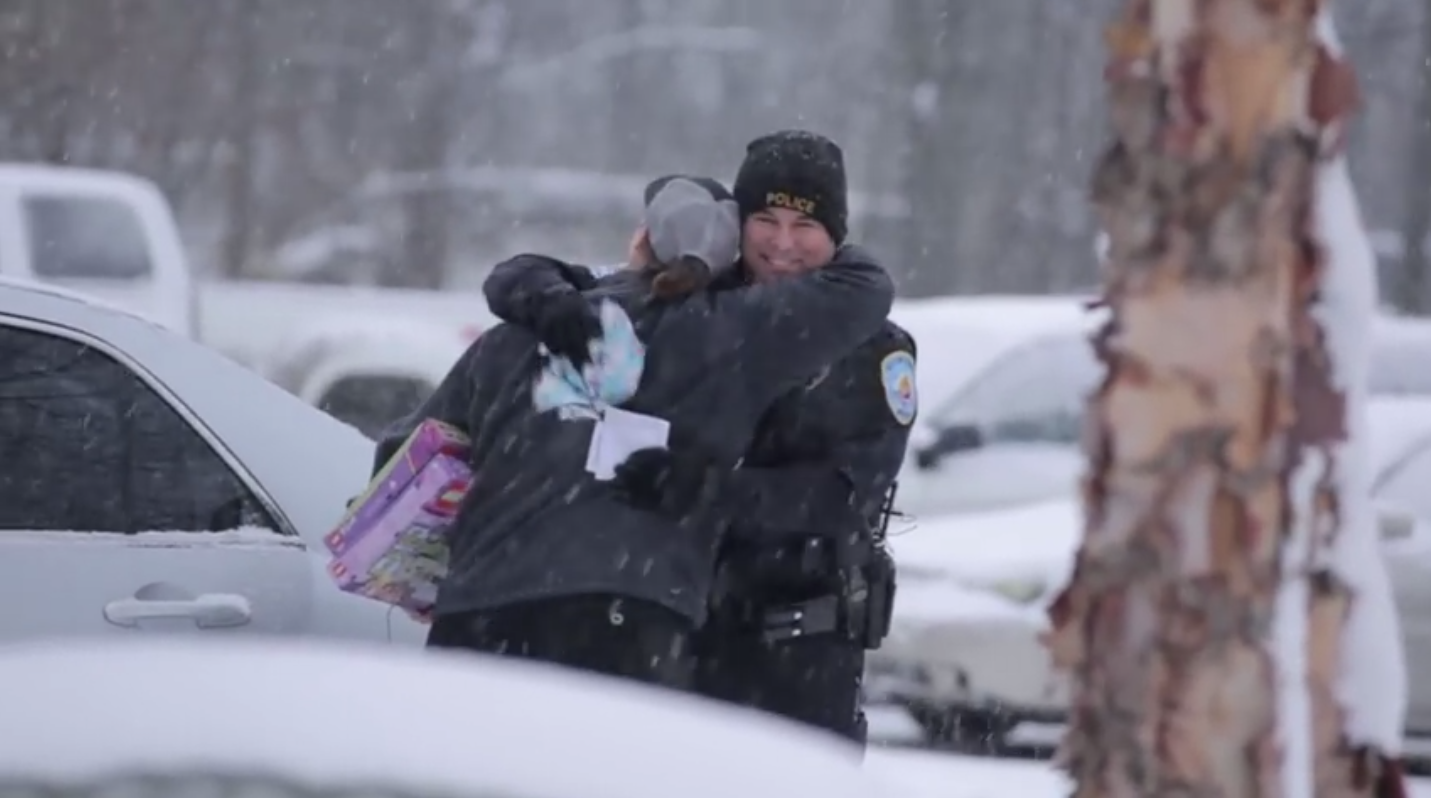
{"x": 814, "y": 680}
{"x": 610, "y": 635}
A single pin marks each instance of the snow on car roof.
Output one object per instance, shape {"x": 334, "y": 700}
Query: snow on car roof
{"x": 443, "y": 722}
{"x": 70, "y": 178}
{"x": 26, "y": 297}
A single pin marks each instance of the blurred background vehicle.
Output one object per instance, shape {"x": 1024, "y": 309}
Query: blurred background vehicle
{"x": 964, "y": 654}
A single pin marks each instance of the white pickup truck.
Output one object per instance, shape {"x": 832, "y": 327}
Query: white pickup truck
{"x": 363, "y": 355}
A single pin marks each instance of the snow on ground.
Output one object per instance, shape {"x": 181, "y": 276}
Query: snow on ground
{"x": 919, "y": 773}
{"x": 922, "y": 773}
{"x": 927, "y": 774}
{"x": 931, "y": 774}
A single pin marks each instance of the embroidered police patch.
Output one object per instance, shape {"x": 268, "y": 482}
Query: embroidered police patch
{"x": 897, "y": 374}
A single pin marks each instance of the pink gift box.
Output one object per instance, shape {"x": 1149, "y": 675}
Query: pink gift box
{"x": 392, "y": 544}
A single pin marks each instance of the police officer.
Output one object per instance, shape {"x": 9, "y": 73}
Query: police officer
{"x": 549, "y": 562}
{"x": 805, "y": 585}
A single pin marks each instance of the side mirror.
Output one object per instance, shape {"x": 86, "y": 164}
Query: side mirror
{"x": 1395, "y": 524}
{"x": 950, "y": 440}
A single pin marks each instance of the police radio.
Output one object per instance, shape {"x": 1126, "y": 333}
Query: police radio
{"x": 880, "y": 574}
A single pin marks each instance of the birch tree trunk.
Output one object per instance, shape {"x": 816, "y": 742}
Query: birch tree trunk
{"x": 1229, "y": 551}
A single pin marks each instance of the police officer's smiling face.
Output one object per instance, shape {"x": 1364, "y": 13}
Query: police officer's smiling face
{"x": 776, "y": 242}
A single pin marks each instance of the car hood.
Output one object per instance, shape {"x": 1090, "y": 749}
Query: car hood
{"x": 982, "y": 549}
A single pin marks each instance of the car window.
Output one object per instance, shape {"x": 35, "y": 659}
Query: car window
{"x": 91, "y": 238}
{"x": 371, "y": 403}
{"x": 1035, "y": 393}
{"x": 89, "y": 446}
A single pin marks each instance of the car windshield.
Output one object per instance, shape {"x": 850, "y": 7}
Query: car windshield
{"x": 1050, "y": 375}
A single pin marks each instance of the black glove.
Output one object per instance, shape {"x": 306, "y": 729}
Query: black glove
{"x": 667, "y": 481}
{"x": 567, "y": 324}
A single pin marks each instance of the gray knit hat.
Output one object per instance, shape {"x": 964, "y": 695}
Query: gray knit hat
{"x": 690, "y": 217}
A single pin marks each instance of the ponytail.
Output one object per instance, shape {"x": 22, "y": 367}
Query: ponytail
{"x": 681, "y": 279}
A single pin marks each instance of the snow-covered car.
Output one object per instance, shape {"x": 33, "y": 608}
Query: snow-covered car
{"x": 173, "y": 719}
{"x": 1008, "y": 432}
{"x": 150, "y": 484}
{"x": 1003, "y": 429}
{"x": 958, "y": 337}
{"x": 964, "y": 653}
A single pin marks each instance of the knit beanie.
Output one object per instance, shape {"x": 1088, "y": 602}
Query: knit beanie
{"x": 693, "y": 230}
{"x": 799, "y": 170}
{"x": 692, "y": 217}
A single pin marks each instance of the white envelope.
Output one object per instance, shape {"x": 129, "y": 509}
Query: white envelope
{"x": 618, "y": 434}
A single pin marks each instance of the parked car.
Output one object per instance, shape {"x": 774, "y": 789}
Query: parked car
{"x": 964, "y": 653}
{"x": 173, "y": 719}
{"x": 1008, "y": 433}
{"x": 960, "y": 336}
{"x": 366, "y": 372}
{"x": 152, "y": 485}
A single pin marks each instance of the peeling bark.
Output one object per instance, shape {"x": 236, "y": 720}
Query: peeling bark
{"x": 1211, "y": 494}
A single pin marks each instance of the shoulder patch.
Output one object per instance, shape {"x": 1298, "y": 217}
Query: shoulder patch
{"x": 900, "y": 392}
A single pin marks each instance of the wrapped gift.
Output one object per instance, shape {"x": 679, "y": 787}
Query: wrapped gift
{"x": 392, "y": 543}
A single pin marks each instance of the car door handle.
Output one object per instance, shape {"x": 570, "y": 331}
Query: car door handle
{"x": 209, "y": 611}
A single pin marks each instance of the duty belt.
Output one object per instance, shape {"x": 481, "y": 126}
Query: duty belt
{"x": 823, "y": 615}
{"x": 862, "y": 612}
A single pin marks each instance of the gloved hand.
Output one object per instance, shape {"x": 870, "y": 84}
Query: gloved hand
{"x": 567, "y": 324}
{"x": 663, "y": 480}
